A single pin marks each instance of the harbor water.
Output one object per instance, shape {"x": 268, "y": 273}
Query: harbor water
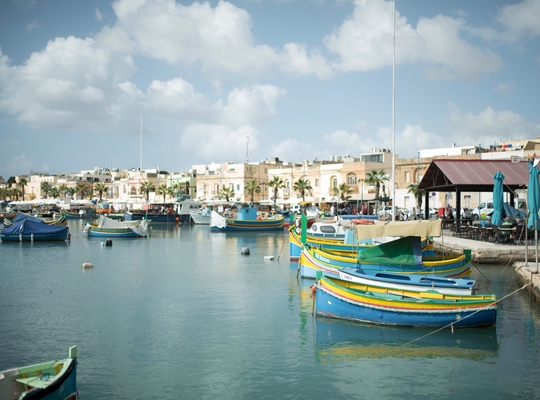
{"x": 184, "y": 314}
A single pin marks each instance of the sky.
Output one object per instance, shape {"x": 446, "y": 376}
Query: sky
{"x": 170, "y": 84}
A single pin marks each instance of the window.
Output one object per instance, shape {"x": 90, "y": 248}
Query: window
{"x": 316, "y": 183}
{"x": 407, "y": 176}
{"x": 351, "y": 179}
{"x": 334, "y": 182}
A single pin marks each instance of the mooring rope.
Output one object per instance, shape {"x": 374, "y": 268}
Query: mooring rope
{"x": 451, "y": 325}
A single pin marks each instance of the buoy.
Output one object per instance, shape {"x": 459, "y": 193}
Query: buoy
{"x": 177, "y": 219}
{"x": 245, "y": 250}
{"x": 108, "y": 242}
{"x": 87, "y": 265}
{"x": 268, "y": 257}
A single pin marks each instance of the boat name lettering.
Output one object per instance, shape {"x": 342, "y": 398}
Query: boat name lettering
{"x": 319, "y": 257}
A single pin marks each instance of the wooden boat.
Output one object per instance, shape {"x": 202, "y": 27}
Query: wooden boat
{"x": 347, "y": 300}
{"x": 30, "y": 230}
{"x": 109, "y": 228}
{"x": 402, "y": 256}
{"x": 50, "y": 380}
{"x": 55, "y": 221}
{"x": 413, "y": 282}
{"x": 201, "y": 217}
{"x": 177, "y": 211}
{"x": 247, "y": 219}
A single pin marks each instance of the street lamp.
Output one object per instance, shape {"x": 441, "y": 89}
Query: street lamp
{"x": 362, "y": 201}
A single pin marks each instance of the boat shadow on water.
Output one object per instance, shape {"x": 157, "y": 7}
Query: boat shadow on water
{"x": 339, "y": 340}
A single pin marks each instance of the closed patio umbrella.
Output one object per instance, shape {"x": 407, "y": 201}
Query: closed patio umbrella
{"x": 496, "y": 218}
{"x": 533, "y": 197}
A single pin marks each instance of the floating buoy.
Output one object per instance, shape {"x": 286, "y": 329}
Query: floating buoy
{"x": 268, "y": 257}
{"x": 177, "y": 219}
{"x": 108, "y": 242}
{"x": 87, "y": 265}
{"x": 245, "y": 250}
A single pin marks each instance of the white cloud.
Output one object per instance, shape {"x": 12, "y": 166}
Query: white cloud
{"x": 218, "y": 143}
{"x": 521, "y": 18}
{"x": 364, "y": 42}
{"x": 33, "y": 26}
{"x": 99, "y": 16}
{"x": 504, "y": 88}
{"x": 488, "y": 126}
{"x": 249, "y": 105}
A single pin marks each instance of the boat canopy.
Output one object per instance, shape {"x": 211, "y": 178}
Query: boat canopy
{"x": 399, "y": 228}
{"x": 403, "y": 251}
{"x": 31, "y": 227}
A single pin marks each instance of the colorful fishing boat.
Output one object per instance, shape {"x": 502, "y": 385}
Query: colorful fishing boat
{"x": 50, "y": 380}
{"x": 30, "y": 230}
{"x": 247, "y": 219}
{"x": 348, "y": 300}
{"x": 110, "y": 228}
{"x": 413, "y": 282}
{"x": 402, "y": 256}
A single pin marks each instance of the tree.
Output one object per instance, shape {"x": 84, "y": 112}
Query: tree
{"x": 99, "y": 188}
{"x": 84, "y": 189}
{"x": 226, "y": 193}
{"x": 162, "y": 189}
{"x": 22, "y": 183}
{"x": 171, "y": 191}
{"x": 11, "y": 181}
{"x": 63, "y": 189}
{"x": 302, "y": 186}
{"x": 417, "y": 193}
{"x": 344, "y": 192}
{"x": 276, "y": 183}
{"x": 376, "y": 178}
{"x": 54, "y": 192}
{"x": 45, "y": 188}
{"x": 251, "y": 188}
{"x": 146, "y": 188}
{"x": 71, "y": 191}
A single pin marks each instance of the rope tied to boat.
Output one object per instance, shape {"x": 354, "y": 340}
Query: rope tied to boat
{"x": 451, "y": 325}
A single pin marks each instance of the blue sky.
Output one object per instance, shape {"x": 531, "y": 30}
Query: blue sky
{"x": 218, "y": 81}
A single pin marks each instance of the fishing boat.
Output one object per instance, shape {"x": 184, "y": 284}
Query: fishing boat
{"x": 413, "y": 282}
{"x": 32, "y": 230}
{"x": 177, "y": 211}
{"x": 50, "y": 380}
{"x": 403, "y": 256}
{"x": 348, "y": 300}
{"x": 54, "y": 221}
{"x": 247, "y": 219}
{"x": 201, "y": 217}
{"x": 109, "y": 228}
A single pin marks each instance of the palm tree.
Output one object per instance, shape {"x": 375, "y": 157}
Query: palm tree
{"x": 377, "y": 178}
{"x": 226, "y": 193}
{"x": 171, "y": 191}
{"x": 343, "y": 191}
{"x": 252, "y": 187}
{"x": 301, "y": 186}
{"x": 22, "y": 183}
{"x": 417, "y": 193}
{"x": 162, "y": 189}
{"x": 63, "y": 189}
{"x": 70, "y": 191}
{"x": 276, "y": 183}
{"x": 84, "y": 189}
{"x": 100, "y": 187}
{"x": 147, "y": 187}
{"x": 46, "y": 188}
{"x": 54, "y": 192}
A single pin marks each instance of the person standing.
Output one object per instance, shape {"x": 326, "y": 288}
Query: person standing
{"x": 332, "y": 211}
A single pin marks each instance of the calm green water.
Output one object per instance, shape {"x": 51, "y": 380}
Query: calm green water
{"x": 185, "y": 315}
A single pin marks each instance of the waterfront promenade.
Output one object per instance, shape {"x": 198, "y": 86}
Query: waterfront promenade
{"x": 523, "y": 259}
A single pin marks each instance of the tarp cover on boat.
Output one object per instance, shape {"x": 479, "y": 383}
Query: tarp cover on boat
{"x": 403, "y": 251}
{"x": 31, "y": 227}
{"x": 22, "y": 216}
{"x": 399, "y": 228}
{"x": 217, "y": 220}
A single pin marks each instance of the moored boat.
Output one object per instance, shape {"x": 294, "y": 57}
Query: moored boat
{"x": 30, "y": 230}
{"x": 110, "y": 228}
{"x": 413, "y": 282}
{"x": 347, "y": 300}
{"x": 50, "y": 380}
{"x": 247, "y": 219}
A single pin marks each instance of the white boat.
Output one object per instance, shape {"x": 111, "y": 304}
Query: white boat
{"x": 201, "y": 218}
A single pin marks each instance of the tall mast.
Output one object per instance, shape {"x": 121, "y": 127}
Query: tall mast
{"x": 140, "y": 161}
{"x": 247, "y": 150}
{"x": 394, "y": 115}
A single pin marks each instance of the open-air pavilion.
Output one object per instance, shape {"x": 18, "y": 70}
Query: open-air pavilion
{"x": 459, "y": 176}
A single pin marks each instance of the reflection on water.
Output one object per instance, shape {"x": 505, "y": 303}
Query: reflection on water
{"x": 339, "y": 340}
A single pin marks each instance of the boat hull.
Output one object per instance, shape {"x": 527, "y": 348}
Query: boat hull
{"x": 235, "y": 225}
{"x": 335, "y": 301}
{"x": 158, "y": 218}
{"x": 47, "y": 237}
{"x": 200, "y": 219}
